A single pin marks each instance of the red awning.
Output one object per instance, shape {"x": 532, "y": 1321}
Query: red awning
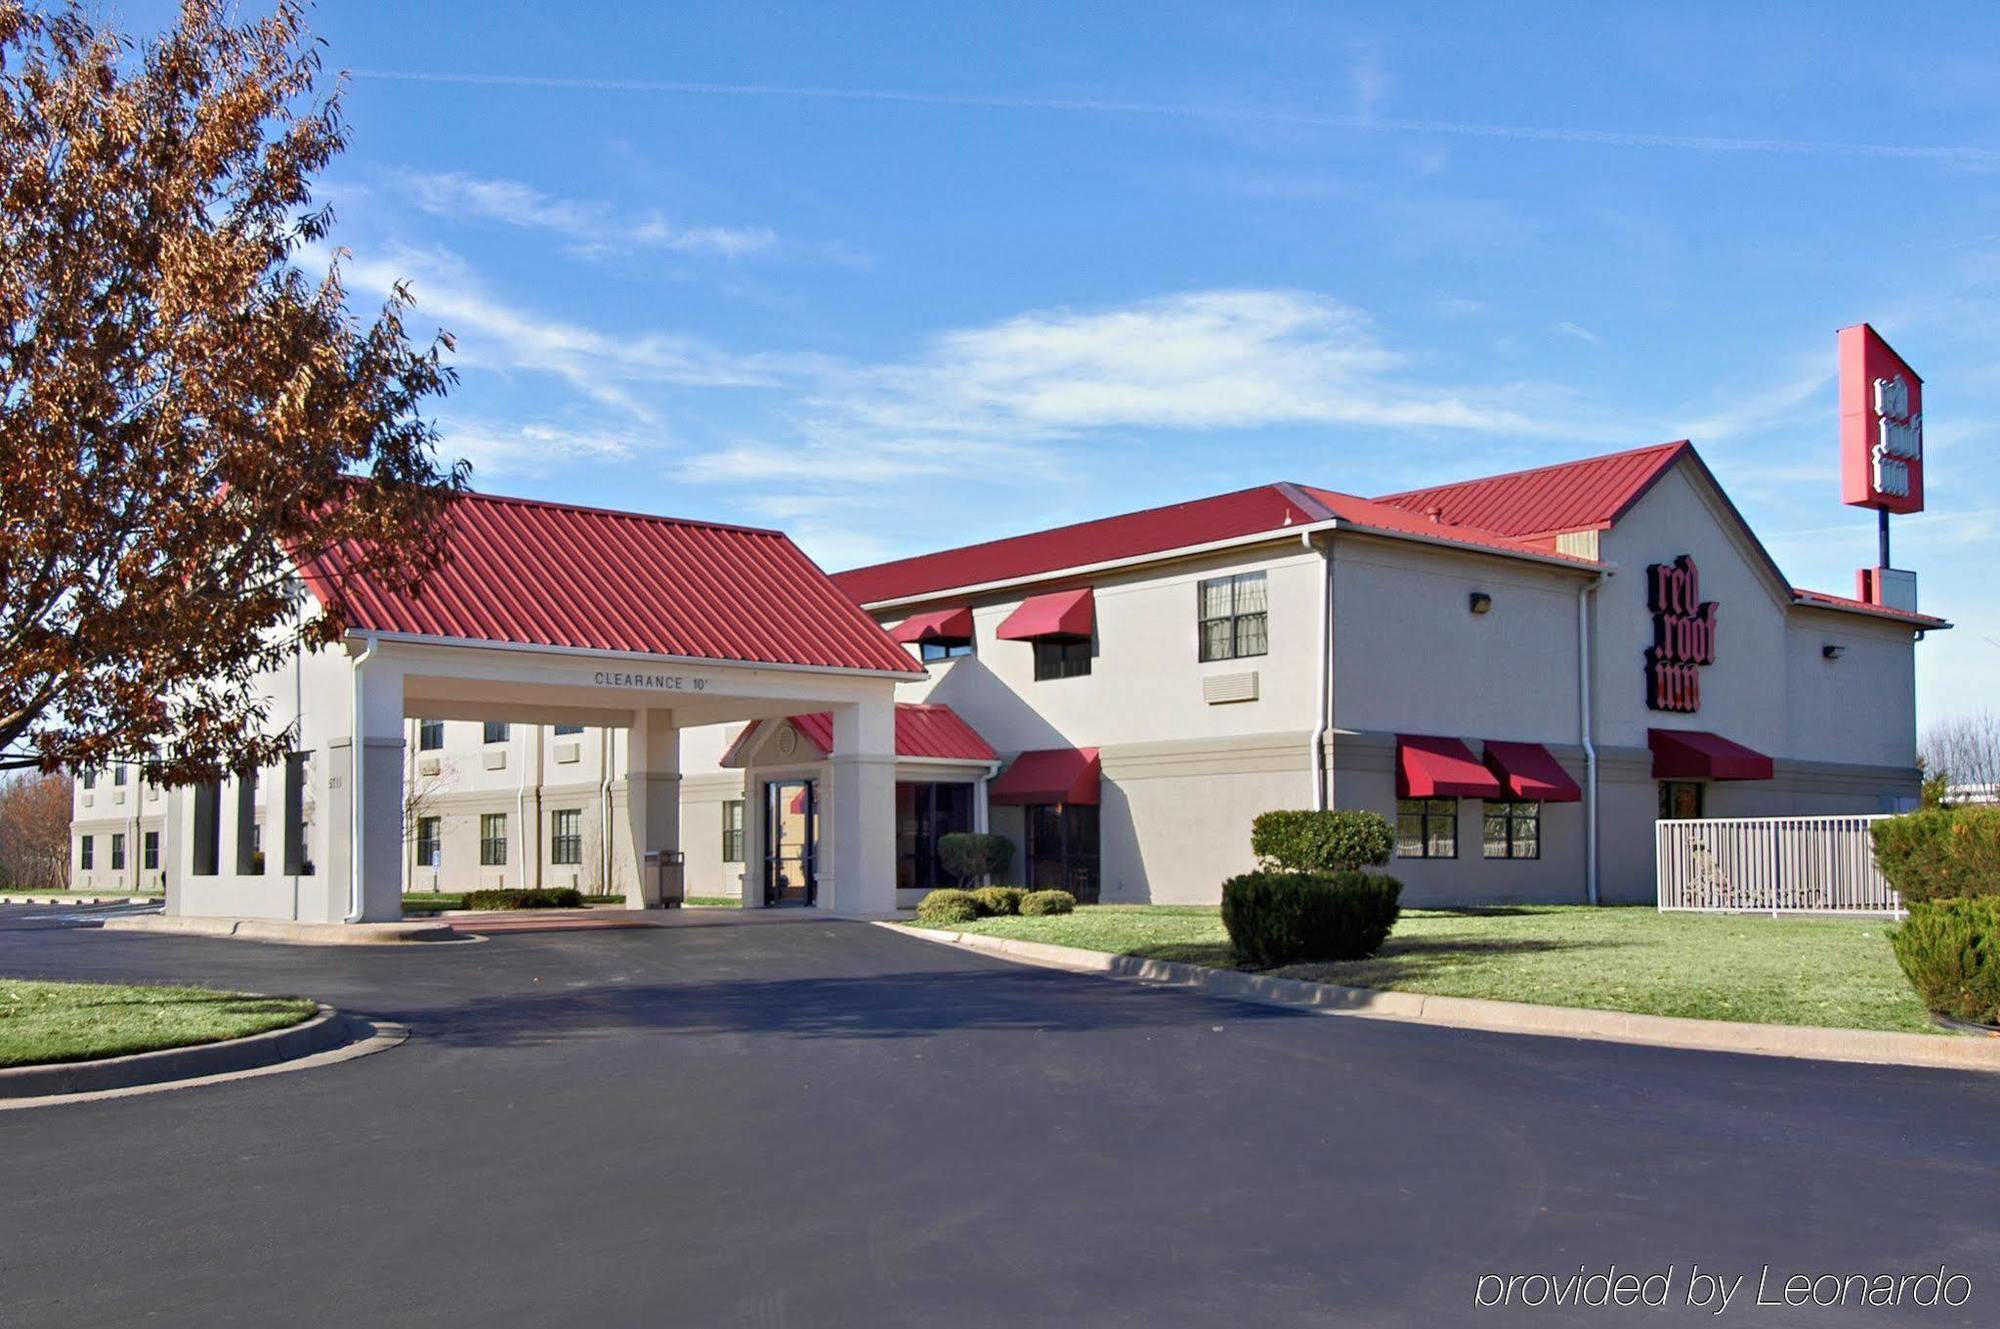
{"x": 1057, "y": 614}
{"x": 1695, "y": 754}
{"x": 1049, "y": 775}
{"x": 1432, "y": 767}
{"x": 1530, "y": 772}
{"x": 938, "y": 625}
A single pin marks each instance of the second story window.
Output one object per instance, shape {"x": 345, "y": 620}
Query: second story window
{"x": 90, "y": 779}
{"x": 564, "y": 730}
{"x": 944, "y": 648}
{"x": 430, "y": 735}
{"x": 118, "y": 776}
{"x": 1062, "y": 657}
{"x": 497, "y": 732}
{"x": 1234, "y": 616}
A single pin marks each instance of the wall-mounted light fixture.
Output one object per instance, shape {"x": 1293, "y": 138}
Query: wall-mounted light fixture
{"x": 1831, "y": 651}
{"x": 1480, "y": 602}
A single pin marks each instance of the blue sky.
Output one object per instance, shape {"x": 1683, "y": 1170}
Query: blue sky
{"x": 898, "y": 276}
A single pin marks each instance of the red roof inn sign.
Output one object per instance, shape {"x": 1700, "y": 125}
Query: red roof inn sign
{"x": 1683, "y": 636}
{"x": 1881, "y": 425}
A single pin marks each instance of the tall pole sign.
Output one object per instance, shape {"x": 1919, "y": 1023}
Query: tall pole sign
{"x": 1881, "y": 446}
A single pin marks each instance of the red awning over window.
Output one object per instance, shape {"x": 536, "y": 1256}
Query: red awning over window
{"x": 938, "y": 625}
{"x": 1049, "y": 775}
{"x": 1428, "y": 766}
{"x": 1695, "y": 754}
{"x": 1057, "y": 614}
{"x": 1529, "y": 772}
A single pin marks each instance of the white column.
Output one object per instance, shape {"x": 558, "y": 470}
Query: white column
{"x": 755, "y": 800}
{"x": 376, "y": 762}
{"x": 652, "y": 802}
{"x": 862, "y": 802}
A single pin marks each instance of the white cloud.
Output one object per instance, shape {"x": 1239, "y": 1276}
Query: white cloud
{"x": 591, "y": 227}
{"x": 532, "y": 449}
{"x": 1576, "y": 330}
{"x": 1760, "y": 409}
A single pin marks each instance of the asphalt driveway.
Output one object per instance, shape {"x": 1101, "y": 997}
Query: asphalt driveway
{"x": 815, "y": 1123}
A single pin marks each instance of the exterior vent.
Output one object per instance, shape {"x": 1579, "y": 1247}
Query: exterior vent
{"x": 497, "y": 760}
{"x": 89, "y": 799}
{"x": 567, "y": 753}
{"x": 1216, "y": 689}
{"x": 428, "y": 766}
{"x": 1578, "y": 544}
{"x": 118, "y": 796}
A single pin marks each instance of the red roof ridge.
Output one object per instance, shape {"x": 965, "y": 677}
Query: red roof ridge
{"x": 485, "y": 497}
{"x": 1675, "y": 446}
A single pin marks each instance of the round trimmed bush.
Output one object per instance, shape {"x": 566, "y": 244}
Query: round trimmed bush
{"x": 1334, "y": 840}
{"x": 1950, "y": 952}
{"x": 999, "y": 900}
{"x": 1940, "y": 853}
{"x": 948, "y": 906}
{"x": 1277, "y": 918}
{"x": 1036, "y": 904}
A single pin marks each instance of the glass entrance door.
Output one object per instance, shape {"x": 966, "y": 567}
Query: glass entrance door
{"x": 791, "y": 842}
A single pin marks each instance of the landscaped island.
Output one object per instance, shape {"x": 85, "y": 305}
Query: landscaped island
{"x": 1832, "y": 972}
{"x": 52, "y": 1022}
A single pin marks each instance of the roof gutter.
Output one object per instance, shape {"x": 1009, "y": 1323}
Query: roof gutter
{"x": 647, "y": 657}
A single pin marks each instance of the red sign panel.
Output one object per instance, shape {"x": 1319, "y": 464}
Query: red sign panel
{"x": 1683, "y": 636}
{"x": 1881, "y": 425}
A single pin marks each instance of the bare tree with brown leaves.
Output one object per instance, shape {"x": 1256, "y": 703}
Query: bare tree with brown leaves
{"x": 184, "y": 413}
{"x": 34, "y": 831}
{"x": 1965, "y": 749}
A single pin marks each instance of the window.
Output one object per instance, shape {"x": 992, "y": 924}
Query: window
{"x": 493, "y": 840}
{"x": 430, "y": 735}
{"x": 117, "y": 852}
{"x": 1062, "y": 657}
{"x": 732, "y": 830}
{"x": 925, "y": 813}
{"x": 1062, "y": 849}
{"x": 1680, "y": 800}
{"x": 149, "y": 851}
{"x": 562, "y": 730}
{"x": 1233, "y": 616}
{"x": 207, "y": 844}
{"x": 430, "y": 847}
{"x": 298, "y": 813}
{"x": 118, "y": 776}
{"x": 249, "y": 837}
{"x": 90, "y": 779}
{"x": 1426, "y": 828}
{"x": 86, "y": 853}
{"x": 566, "y": 836}
{"x": 945, "y": 648}
{"x": 1513, "y": 830}
{"x": 497, "y": 731}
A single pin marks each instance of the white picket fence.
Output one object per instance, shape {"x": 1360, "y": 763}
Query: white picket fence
{"x": 1820, "y": 865}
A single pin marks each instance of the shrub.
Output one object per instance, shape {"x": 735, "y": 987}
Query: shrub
{"x": 1950, "y": 951}
{"x": 948, "y": 906}
{"x": 999, "y": 899}
{"x": 1330, "y": 841}
{"x": 1035, "y": 904}
{"x": 970, "y": 855}
{"x": 1940, "y": 853}
{"x": 553, "y": 897}
{"x": 1276, "y": 918}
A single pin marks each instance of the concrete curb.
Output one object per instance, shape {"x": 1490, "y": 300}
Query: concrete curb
{"x": 290, "y": 934}
{"x": 328, "y": 1032}
{"x": 81, "y": 899}
{"x": 1875, "y": 1047}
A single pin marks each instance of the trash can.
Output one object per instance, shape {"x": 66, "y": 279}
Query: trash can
{"x": 666, "y": 870}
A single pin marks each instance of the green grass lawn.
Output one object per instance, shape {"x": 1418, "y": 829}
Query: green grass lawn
{"x": 1836, "y": 972}
{"x": 45, "y": 1022}
{"x": 714, "y": 902}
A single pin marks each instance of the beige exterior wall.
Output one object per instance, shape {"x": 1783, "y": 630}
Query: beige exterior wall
{"x": 131, "y": 810}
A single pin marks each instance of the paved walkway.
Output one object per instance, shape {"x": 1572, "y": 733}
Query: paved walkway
{"x": 829, "y": 1124}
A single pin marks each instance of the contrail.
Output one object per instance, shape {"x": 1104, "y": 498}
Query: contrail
{"x": 1330, "y": 120}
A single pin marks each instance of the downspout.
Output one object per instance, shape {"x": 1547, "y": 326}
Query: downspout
{"x": 604, "y": 765}
{"x": 1584, "y": 596}
{"x": 1322, "y": 715}
{"x": 359, "y": 753}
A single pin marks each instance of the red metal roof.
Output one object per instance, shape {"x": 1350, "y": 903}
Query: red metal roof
{"x": 1378, "y": 516}
{"x": 1589, "y": 494}
{"x": 1245, "y": 512}
{"x": 923, "y": 729}
{"x": 1531, "y": 773}
{"x": 551, "y": 574}
{"x": 1050, "y": 775}
{"x": 1823, "y": 600}
{"x": 1433, "y": 766}
{"x": 1696, "y": 754}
